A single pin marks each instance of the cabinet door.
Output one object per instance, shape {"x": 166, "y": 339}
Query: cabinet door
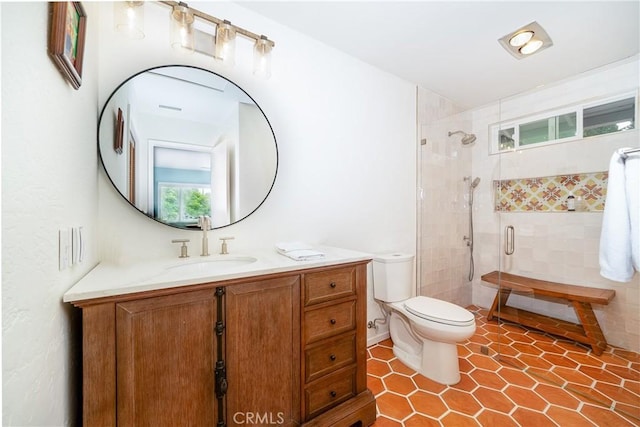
{"x": 263, "y": 352}
{"x": 166, "y": 359}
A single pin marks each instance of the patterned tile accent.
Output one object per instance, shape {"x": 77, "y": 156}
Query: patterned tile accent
{"x": 549, "y": 194}
{"x": 528, "y": 379}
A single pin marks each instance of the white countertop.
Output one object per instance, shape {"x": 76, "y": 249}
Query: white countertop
{"x": 110, "y": 279}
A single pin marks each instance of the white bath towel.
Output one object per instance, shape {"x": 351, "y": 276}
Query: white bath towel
{"x": 304, "y": 254}
{"x": 632, "y": 187}
{"x": 616, "y": 237}
{"x": 284, "y": 247}
{"x": 298, "y": 251}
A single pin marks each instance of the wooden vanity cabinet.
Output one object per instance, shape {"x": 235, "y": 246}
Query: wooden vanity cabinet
{"x": 293, "y": 344}
{"x": 165, "y": 358}
{"x": 263, "y": 352}
{"x": 149, "y": 361}
{"x": 334, "y": 375}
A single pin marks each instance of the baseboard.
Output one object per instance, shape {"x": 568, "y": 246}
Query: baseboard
{"x": 377, "y": 338}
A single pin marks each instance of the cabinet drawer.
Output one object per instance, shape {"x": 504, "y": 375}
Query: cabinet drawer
{"x": 329, "y": 321}
{"x": 328, "y": 285}
{"x": 329, "y": 391}
{"x": 330, "y": 356}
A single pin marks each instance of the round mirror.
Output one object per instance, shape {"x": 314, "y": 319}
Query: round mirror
{"x": 182, "y": 142}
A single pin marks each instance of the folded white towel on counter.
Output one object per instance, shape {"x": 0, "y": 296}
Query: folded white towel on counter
{"x": 298, "y": 251}
{"x": 616, "y": 260}
{"x": 304, "y": 254}
{"x": 284, "y": 247}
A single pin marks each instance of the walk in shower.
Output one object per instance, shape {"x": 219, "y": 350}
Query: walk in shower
{"x": 533, "y": 210}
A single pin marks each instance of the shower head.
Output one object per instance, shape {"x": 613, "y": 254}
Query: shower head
{"x": 467, "y": 138}
{"x": 475, "y": 182}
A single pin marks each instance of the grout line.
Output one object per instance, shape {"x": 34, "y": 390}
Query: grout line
{"x": 583, "y": 357}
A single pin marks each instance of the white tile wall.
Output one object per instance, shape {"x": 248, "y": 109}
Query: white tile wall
{"x": 443, "y": 163}
{"x": 560, "y": 247}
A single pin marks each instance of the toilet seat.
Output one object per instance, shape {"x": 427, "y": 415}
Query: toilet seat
{"x": 439, "y": 311}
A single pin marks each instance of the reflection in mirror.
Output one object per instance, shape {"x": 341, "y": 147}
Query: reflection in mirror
{"x": 194, "y": 144}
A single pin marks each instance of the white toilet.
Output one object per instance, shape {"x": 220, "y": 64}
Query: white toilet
{"x": 424, "y": 330}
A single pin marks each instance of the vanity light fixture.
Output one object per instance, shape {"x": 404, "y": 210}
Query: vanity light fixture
{"x": 262, "y": 57}
{"x": 181, "y": 21}
{"x": 225, "y": 43}
{"x": 185, "y": 37}
{"x": 221, "y": 45}
{"x": 129, "y": 18}
{"x": 526, "y": 40}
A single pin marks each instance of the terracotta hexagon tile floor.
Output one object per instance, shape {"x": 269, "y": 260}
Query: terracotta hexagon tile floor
{"x": 528, "y": 379}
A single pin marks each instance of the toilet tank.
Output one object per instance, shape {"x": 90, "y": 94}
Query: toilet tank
{"x": 392, "y": 277}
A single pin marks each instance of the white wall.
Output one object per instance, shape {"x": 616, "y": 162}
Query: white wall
{"x": 49, "y": 182}
{"x": 346, "y": 139}
{"x": 443, "y": 264}
{"x": 559, "y": 247}
{"x": 345, "y": 133}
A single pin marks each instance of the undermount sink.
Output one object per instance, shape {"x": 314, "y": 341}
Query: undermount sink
{"x": 211, "y": 265}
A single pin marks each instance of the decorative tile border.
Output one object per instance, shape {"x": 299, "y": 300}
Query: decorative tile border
{"x": 549, "y": 194}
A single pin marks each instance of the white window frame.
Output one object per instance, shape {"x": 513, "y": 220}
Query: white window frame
{"x": 182, "y": 186}
{"x": 495, "y": 128}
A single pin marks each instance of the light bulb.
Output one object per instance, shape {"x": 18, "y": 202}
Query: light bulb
{"x": 262, "y": 57}
{"x": 521, "y": 38}
{"x": 226, "y": 43}
{"x": 531, "y": 47}
{"x": 129, "y": 18}
{"x": 182, "y": 37}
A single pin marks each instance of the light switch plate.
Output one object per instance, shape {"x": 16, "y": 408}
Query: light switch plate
{"x": 77, "y": 245}
{"x": 64, "y": 249}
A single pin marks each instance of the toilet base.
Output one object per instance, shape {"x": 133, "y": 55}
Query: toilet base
{"x": 438, "y": 362}
{"x": 435, "y": 360}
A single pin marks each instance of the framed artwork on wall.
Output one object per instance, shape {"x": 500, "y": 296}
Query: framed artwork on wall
{"x": 67, "y": 28}
{"x": 118, "y": 133}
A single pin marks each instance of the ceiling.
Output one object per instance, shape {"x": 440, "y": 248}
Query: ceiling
{"x": 451, "y": 47}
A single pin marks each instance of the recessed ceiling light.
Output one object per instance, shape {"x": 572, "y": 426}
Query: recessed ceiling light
{"x": 520, "y": 39}
{"x": 526, "y": 40}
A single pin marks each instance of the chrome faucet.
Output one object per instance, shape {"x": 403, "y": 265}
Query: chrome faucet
{"x": 204, "y": 222}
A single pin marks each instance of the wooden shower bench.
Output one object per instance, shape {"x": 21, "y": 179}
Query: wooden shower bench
{"x": 581, "y": 297}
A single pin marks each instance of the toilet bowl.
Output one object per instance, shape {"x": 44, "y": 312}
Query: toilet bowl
{"x": 424, "y": 330}
{"x": 425, "y": 339}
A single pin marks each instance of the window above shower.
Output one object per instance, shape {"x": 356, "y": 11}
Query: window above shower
{"x": 609, "y": 115}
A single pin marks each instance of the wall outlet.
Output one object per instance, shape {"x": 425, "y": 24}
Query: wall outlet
{"x": 64, "y": 249}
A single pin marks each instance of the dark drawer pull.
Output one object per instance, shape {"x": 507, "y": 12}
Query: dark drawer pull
{"x": 333, "y": 393}
{"x": 332, "y": 321}
{"x": 332, "y": 357}
{"x": 332, "y": 284}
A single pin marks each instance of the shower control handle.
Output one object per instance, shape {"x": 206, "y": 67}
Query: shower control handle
{"x": 509, "y": 240}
